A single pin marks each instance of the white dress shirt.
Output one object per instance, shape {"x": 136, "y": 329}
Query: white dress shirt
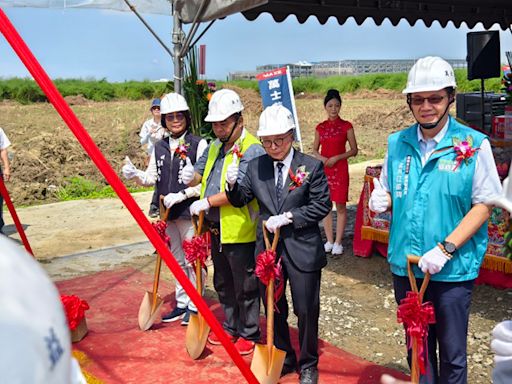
{"x": 287, "y": 163}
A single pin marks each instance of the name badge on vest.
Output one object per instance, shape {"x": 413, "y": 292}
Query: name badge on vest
{"x": 402, "y": 178}
{"x": 447, "y": 165}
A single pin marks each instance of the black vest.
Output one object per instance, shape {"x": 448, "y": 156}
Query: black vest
{"x": 167, "y": 167}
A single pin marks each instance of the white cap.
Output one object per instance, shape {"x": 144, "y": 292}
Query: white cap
{"x": 223, "y": 104}
{"x": 35, "y": 342}
{"x": 173, "y": 102}
{"x": 275, "y": 120}
{"x": 430, "y": 73}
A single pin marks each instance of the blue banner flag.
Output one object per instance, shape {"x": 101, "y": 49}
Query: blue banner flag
{"x": 276, "y": 87}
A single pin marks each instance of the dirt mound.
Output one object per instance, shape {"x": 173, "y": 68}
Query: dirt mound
{"x": 76, "y": 100}
{"x": 250, "y": 99}
{"x": 376, "y": 94}
{"x": 380, "y": 124}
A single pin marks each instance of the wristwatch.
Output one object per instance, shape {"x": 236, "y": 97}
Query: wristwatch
{"x": 449, "y": 247}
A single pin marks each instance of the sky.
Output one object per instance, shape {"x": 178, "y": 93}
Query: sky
{"x": 97, "y": 44}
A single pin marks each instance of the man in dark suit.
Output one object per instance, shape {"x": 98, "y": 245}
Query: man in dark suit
{"x": 292, "y": 192}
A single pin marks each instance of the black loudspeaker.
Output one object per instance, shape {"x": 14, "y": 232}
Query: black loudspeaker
{"x": 483, "y": 55}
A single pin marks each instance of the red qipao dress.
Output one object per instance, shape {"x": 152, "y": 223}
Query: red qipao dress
{"x": 333, "y": 139}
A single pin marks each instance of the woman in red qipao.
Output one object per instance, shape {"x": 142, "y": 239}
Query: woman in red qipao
{"x": 331, "y": 137}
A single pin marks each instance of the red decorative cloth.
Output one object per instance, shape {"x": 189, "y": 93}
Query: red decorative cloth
{"x": 196, "y": 249}
{"x": 75, "y": 309}
{"x": 416, "y": 318}
{"x": 160, "y": 226}
{"x": 267, "y": 269}
{"x": 333, "y": 140}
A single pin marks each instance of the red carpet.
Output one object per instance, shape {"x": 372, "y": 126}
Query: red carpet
{"x": 118, "y": 352}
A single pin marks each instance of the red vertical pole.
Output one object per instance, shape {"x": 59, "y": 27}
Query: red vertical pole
{"x": 5, "y": 193}
{"x": 202, "y": 59}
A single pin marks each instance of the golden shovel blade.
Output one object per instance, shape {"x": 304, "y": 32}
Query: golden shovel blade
{"x": 267, "y": 366}
{"x": 146, "y": 316}
{"x": 196, "y": 335}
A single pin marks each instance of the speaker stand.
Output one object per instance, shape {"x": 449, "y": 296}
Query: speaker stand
{"x": 482, "y": 103}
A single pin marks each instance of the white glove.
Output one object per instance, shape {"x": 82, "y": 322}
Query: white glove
{"x": 129, "y": 171}
{"x": 433, "y": 261}
{"x": 198, "y": 206}
{"x": 501, "y": 341}
{"x": 174, "y": 198}
{"x": 232, "y": 172}
{"x": 187, "y": 172}
{"x": 379, "y": 199}
{"x": 277, "y": 221}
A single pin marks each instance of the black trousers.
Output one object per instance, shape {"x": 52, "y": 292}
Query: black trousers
{"x": 155, "y": 200}
{"x": 305, "y": 290}
{"x": 451, "y": 307}
{"x": 237, "y": 286}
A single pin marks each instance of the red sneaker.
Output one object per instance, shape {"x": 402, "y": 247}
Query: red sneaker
{"x": 245, "y": 347}
{"x": 214, "y": 340}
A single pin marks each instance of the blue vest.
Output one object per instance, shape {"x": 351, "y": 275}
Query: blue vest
{"x": 428, "y": 202}
{"x": 168, "y": 166}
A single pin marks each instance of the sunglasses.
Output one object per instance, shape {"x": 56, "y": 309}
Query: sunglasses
{"x": 433, "y": 100}
{"x": 155, "y": 108}
{"x": 277, "y": 142}
{"x": 178, "y": 116}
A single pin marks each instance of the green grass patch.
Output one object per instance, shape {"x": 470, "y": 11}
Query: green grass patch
{"x": 77, "y": 188}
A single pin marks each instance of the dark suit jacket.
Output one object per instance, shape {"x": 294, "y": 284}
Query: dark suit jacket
{"x": 308, "y": 203}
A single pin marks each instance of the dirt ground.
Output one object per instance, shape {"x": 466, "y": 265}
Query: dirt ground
{"x": 358, "y": 312}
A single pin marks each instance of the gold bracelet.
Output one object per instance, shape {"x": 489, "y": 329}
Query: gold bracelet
{"x": 444, "y": 251}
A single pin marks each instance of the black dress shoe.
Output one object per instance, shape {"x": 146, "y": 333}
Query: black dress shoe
{"x": 309, "y": 376}
{"x": 287, "y": 369}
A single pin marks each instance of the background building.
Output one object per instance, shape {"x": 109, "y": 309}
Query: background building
{"x": 339, "y": 68}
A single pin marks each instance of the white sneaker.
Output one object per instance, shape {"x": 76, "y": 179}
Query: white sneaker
{"x": 328, "y": 247}
{"x": 337, "y": 249}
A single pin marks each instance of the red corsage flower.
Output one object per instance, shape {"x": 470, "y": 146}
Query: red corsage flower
{"x": 299, "y": 178}
{"x": 75, "y": 309}
{"x": 237, "y": 152}
{"x": 182, "y": 150}
{"x": 464, "y": 150}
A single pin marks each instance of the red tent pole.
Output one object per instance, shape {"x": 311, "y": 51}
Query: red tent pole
{"x": 40, "y": 76}
{"x": 5, "y": 193}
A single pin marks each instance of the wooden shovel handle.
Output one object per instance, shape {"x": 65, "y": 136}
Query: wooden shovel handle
{"x": 197, "y": 222}
{"x": 267, "y": 241}
{"x": 270, "y": 292}
{"x": 412, "y": 259}
{"x": 164, "y": 214}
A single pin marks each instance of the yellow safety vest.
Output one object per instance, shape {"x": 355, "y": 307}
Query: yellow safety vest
{"x": 237, "y": 225}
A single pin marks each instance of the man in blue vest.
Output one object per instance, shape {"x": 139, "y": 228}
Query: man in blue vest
{"x": 437, "y": 176}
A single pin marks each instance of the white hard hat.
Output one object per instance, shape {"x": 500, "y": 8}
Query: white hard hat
{"x": 275, "y": 120}
{"x": 223, "y": 104}
{"x": 430, "y": 73}
{"x": 173, "y": 102}
{"x": 36, "y": 344}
